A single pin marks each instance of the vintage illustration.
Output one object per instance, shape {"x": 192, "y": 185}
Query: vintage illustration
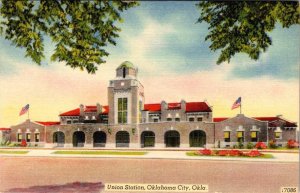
{"x": 149, "y": 96}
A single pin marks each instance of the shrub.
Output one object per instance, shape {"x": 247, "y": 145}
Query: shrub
{"x": 234, "y": 146}
{"x": 11, "y": 145}
{"x": 260, "y": 145}
{"x": 204, "y": 152}
{"x": 272, "y": 144}
{"x": 241, "y": 145}
{"x": 254, "y": 153}
{"x": 250, "y": 145}
{"x": 292, "y": 143}
{"x": 23, "y": 143}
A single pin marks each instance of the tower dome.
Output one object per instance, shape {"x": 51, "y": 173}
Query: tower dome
{"x": 126, "y": 70}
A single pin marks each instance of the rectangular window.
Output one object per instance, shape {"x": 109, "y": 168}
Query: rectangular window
{"x": 278, "y": 135}
{"x": 240, "y": 136}
{"x": 37, "y": 137}
{"x": 155, "y": 120}
{"x": 169, "y": 119}
{"x": 122, "y": 110}
{"x": 19, "y": 136}
{"x": 28, "y": 137}
{"x": 227, "y": 136}
{"x": 199, "y": 119}
{"x": 254, "y": 136}
{"x": 191, "y": 119}
{"x": 177, "y": 119}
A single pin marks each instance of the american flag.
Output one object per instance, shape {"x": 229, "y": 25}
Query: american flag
{"x": 24, "y": 110}
{"x": 237, "y": 103}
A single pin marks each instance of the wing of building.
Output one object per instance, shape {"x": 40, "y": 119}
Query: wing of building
{"x": 127, "y": 121}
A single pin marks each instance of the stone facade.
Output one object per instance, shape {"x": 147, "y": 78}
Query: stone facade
{"x": 128, "y": 122}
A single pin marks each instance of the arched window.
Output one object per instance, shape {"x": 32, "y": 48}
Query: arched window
{"x": 99, "y": 138}
{"x": 197, "y": 138}
{"x": 147, "y": 139}
{"x": 78, "y": 139}
{"x": 172, "y": 139}
{"x": 122, "y": 139}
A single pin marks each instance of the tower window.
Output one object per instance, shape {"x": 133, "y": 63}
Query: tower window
{"x": 124, "y": 72}
{"x": 122, "y": 110}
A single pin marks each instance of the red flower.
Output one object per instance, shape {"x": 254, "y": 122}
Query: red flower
{"x": 292, "y": 143}
{"x": 23, "y": 143}
{"x": 254, "y": 153}
{"x": 205, "y": 152}
{"x": 223, "y": 152}
{"x": 260, "y": 145}
{"x": 235, "y": 152}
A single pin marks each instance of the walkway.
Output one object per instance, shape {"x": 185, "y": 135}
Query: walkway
{"x": 178, "y": 155}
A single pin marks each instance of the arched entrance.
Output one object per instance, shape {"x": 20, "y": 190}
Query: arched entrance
{"x": 147, "y": 139}
{"x": 197, "y": 138}
{"x": 78, "y": 139}
{"x": 99, "y": 139}
{"x": 122, "y": 139}
{"x": 172, "y": 139}
{"x": 59, "y": 138}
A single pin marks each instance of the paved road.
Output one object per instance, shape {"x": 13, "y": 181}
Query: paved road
{"x": 221, "y": 176}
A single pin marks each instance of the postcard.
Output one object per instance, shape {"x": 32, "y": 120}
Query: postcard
{"x": 149, "y": 96}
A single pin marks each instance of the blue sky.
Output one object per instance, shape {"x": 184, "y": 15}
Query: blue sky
{"x": 167, "y": 45}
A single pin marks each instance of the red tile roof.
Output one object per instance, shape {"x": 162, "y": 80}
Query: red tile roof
{"x": 5, "y": 129}
{"x": 219, "y": 119}
{"x": 152, "y": 107}
{"x": 74, "y": 112}
{"x": 272, "y": 121}
{"x": 190, "y": 107}
{"x": 197, "y": 107}
{"x": 173, "y": 106}
{"x": 47, "y": 123}
{"x": 106, "y": 110}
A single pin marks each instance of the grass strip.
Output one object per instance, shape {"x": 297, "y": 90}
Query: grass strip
{"x": 265, "y": 155}
{"x": 100, "y": 152}
{"x": 13, "y": 152}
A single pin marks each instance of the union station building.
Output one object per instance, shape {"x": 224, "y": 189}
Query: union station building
{"x": 127, "y": 121}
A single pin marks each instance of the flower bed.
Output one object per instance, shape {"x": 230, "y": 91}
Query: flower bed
{"x": 229, "y": 153}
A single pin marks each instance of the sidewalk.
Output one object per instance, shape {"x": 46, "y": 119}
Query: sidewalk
{"x": 176, "y": 155}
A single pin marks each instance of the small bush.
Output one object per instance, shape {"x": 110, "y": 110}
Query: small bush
{"x": 240, "y": 145}
{"x": 12, "y": 145}
{"x": 234, "y": 146}
{"x": 260, "y": 145}
{"x": 250, "y": 145}
{"x": 272, "y": 144}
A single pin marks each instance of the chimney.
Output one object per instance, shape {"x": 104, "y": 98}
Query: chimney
{"x": 183, "y": 105}
{"x": 164, "y": 105}
{"x": 81, "y": 107}
{"x": 99, "y": 108}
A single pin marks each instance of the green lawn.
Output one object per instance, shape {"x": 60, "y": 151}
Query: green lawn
{"x": 13, "y": 152}
{"x": 265, "y": 155}
{"x": 101, "y": 152}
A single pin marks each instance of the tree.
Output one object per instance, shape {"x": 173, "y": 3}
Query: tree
{"x": 242, "y": 26}
{"x": 80, "y": 29}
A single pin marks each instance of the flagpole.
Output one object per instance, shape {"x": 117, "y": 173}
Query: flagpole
{"x": 241, "y": 108}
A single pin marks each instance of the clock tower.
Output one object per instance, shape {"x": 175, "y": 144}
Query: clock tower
{"x": 125, "y": 96}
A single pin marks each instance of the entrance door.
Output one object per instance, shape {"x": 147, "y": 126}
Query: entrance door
{"x": 78, "y": 139}
{"x": 147, "y": 139}
{"x": 59, "y": 138}
{"x": 197, "y": 138}
{"x": 122, "y": 139}
{"x": 172, "y": 139}
{"x": 99, "y": 138}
